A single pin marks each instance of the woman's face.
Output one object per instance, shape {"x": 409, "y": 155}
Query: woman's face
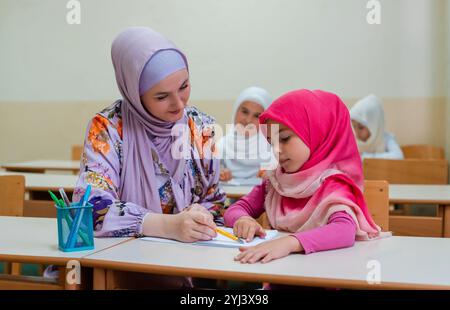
{"x": 167, "y": 99}
{"x": 290, "y": 151}
{"x": 248, "y": 115}
{"x": 362, "y": 132}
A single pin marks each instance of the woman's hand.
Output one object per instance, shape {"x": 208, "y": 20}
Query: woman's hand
{"x": 225, "y": 175}
{"x": 247, "y": 228}
{"x": 193, "y": 224}
{"x": 269, "y": 250}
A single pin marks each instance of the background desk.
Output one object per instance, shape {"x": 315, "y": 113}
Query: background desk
{"x": 37, "y": 200}
{"x": 41, "y": 166}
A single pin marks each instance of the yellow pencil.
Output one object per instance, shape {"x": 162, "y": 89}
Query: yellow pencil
{"x": 227, "y": 234}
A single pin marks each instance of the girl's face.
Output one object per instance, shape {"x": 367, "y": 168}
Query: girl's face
{"x": 167, "y": 99}
{"x": 361, "y": 131}
{"x": 290, "y": 150}
{"x": 248, "y": 114}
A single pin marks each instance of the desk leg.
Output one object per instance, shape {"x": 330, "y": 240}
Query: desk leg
{"x": 99, "y": 279}
{"x": 7, "y": 268}
{"x": 110, "y": 280}
{"x": 16, "y": 269}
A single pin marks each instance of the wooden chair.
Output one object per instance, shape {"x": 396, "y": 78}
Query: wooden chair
{"x": 422, "y": 151}
{"x": 376, "y": 194}
{"x": 77, "y": 152}
{"x": 407, "y": 171}
{"x": 12, "y": 195}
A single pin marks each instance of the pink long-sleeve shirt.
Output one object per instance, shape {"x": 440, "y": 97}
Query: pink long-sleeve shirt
{"x": 339, "y": 232}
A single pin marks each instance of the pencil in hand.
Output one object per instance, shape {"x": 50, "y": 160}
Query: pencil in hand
{"x": 228, "y": 235}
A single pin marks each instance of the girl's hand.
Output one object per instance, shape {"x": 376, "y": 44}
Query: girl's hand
{"x": 193, "y": 224}
{"x": 269, "y": 250}
{"x": 225, "y": 175}
{"x": 247, "y": 228}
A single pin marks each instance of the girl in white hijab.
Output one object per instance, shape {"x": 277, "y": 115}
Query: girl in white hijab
{"x": 245, "y": 152}
{"x": 367, "y": 117}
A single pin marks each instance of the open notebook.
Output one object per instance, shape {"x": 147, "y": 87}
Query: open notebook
{"x": 221, "y": 241}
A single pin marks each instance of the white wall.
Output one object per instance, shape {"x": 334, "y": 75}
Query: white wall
{"x": 279, "y": 44}
{"x": 55, "y": 75}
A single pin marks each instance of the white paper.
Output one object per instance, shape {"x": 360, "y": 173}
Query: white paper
{"x": 220, "y": 240}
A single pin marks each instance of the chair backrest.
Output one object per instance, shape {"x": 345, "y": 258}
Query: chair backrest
{"x": 407, "y": 171}
{"x": 423, "y": 151}
{"x": 376, "y": 194}
{"x": 12, "y": 195}
{"x": 77, "y": 151}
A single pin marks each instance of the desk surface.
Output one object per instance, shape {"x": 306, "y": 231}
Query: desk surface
{"x": 35, "y": 240}
{"x": 45, "y": 181}
{"x": 427, "y": 194}
{"x": 38, "y": 165}
{"x": 236, "y": 191}
{"x": 405, "y": 262}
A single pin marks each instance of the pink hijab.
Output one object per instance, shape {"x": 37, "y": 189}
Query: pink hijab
{"x": 331, "y": 180}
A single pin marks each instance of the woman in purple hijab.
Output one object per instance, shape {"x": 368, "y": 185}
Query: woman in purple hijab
{"x": 141, "y": 186}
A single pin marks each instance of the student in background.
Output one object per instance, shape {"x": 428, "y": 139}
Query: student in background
{"x": 244, "y": 149}
{"x": 315, "y": 193}
{"x": 139, "y": 188}
{"x": 367, "y": 117}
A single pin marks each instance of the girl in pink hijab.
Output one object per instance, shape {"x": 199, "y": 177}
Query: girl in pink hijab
{"x": 141, "y": 184}
{"x": 315, "y": 193}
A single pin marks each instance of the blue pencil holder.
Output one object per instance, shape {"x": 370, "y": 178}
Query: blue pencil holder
{"x": 75, "y": 228}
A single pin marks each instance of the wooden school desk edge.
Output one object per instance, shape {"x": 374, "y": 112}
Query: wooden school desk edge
{"x": 46, "y": 188}
{"x": 26, "y": 282}
{"x": 104, "y": 269}
{"x": 440, "y": 202}
{"x": 13, "y": 168}
{"x": 36, "y": 259}
{"x": 235, "y": 196}
{"x": 22, "y": 169}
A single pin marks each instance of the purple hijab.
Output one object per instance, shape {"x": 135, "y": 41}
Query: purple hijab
{"x": 144, "y": 134}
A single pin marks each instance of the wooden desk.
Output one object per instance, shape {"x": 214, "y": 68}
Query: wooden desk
{"x": 37, "y": 199}
{"x": 426, "y": 194}
{"x": 422, "y": 194}
{"x": 35, "y": 241}
{"x": 42, "y": 182}
{"x": 236, "y": 192}
{"x": 41, "y": 166}
{"x": 405, "y": 262}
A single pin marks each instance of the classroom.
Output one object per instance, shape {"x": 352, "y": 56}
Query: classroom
{"x": 224, "y": 145}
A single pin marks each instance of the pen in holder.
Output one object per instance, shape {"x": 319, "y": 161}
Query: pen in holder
{"x": 75, "y": 233}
